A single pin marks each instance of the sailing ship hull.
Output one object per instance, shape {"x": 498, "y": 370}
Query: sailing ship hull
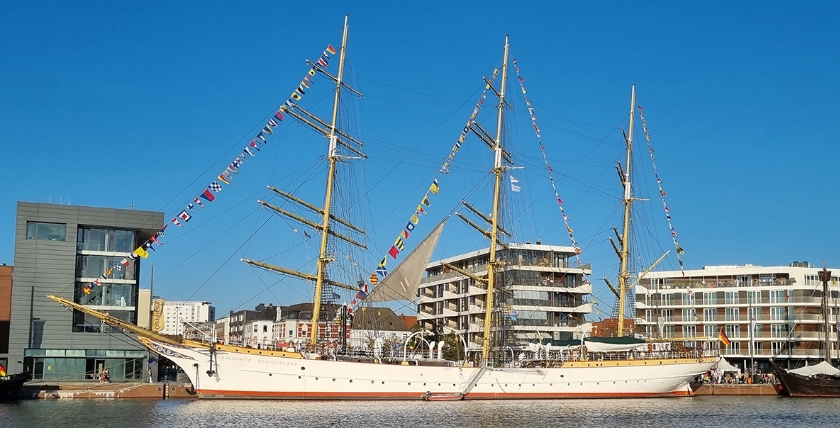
{"x": 10, "y": 385}
{"x": 254, "y": 373}
{"x": 796, "y": 385}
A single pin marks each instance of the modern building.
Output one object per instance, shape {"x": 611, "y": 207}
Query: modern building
{"x": 543, "y": 296}
{"x": 765, "y": 312}
{"x": 59, "y": 249}
{"x": 177, "y": 313}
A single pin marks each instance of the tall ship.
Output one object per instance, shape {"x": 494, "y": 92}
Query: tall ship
{"x": 318, "y": 367}
{"x": 819, "y": 380}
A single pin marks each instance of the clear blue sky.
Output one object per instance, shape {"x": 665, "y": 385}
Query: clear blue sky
{"x": 119, "y": 103}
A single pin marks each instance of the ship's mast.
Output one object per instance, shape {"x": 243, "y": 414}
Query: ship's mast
{"x": 498, "y": 171}
{"x": 825, "y": 276}
{"x": 332, "y": 157}
{"x": 624, "y": 275}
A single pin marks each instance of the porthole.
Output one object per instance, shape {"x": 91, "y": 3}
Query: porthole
{"x": 316, "y": 378}
{"x": 333, "y": 379}
{"x": 351, "y": 380}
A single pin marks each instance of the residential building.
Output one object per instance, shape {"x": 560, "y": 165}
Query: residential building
{"x": 371, "y": 323}
{"x": 765, "y": 312}
{"x": 223, "y": 329}
{"x": 177, "y": 313}
{"x": 239, "y": 321}
{"x": 542, "y": 292}
{"x": 294, "y": 324}
{"x": 59, "y": 249}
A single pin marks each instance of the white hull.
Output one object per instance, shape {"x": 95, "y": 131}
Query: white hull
{"x": 243, "y": 375}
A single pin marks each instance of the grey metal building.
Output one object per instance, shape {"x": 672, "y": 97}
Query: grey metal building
{"x": 58, "y": 250}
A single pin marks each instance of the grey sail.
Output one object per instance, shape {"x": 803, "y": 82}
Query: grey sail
{"x": 403, "y": 282}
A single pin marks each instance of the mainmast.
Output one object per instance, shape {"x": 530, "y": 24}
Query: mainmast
{"x": 498, "y": 171}
{"x": 825, "y": 276}
{"x": 623, "y": 274}
{"x": 332, "y": 157}
{"x": 336, "y": 138}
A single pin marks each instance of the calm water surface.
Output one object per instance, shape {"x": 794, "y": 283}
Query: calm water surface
{"x": 743, "y": 412}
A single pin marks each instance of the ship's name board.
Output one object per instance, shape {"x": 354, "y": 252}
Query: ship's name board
{"x": 273, "y": 361}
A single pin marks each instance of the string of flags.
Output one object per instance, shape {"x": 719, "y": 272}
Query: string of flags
{"x": 550, "y": 171}
{"x": 674, "y": 235}
{"x": 209, "y": 193}
{"x": 381, "y": 270}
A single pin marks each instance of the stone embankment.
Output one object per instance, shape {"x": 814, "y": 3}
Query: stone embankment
{"x": 736, "y": 389}
{"x": 107, "y": 390}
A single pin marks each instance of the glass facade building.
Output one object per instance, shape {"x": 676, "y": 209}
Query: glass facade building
{"x": 58, "y": 250}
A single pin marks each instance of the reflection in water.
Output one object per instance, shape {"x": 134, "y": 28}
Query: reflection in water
{"x": 744, "y": 412}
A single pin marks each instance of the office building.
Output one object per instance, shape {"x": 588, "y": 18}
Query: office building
{"x": 59, "y": 249}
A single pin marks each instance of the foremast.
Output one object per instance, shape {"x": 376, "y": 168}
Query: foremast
{"x": 498, "y": 171}
{"x": 335, "y": 138}
{"x": 624, "y": 273}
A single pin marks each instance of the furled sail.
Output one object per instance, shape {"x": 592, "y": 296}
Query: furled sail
{"x": 403, "y": 281}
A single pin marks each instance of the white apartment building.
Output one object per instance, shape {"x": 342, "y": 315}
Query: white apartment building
{"x": 766, "y": 312}
{"x": 176, "y": 313}
{"x": 541, "y": 295}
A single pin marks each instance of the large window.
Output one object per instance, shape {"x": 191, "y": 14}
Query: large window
{"x": 89, "y": 266}
{"x": 46, "y": 231}
{"x": 106, "y": 295}
{"x": 121, "y": 241}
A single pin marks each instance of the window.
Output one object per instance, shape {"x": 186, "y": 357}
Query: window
{"x": 46, "y": 231}
{"x": 778, "y": 330}
{"x": 754, "y": 314}
{"x": 731, "y": 297}
{"x": 265, "y": 329}
{"x": 688, "y": 298}
{"x": 710, "y": 314}
{"x": 710, "y": 298}
{"x": 668, "y": 314}
{"x": 689, "y": 315}
{"x": 753, "y": 296}
{"x": 777, "y": 314}
{"x": 731, "y": 314}
{"x": 779, "y": 296}
{"x": 105, "y": 240}
{"x": 256, "y": 329}
{"x": 710, "y": 330}
{"x": 668, "y": 299}
{"x": 733, "y": 331}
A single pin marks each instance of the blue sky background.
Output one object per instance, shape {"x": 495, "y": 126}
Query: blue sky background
{"x": 119, "y": 103}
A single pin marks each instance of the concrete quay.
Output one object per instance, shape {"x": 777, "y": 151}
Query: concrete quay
{"x": 120, "y": 390}
{"x": 736, "y": 389}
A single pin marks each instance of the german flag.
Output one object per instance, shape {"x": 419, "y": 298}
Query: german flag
{"x": 723, "y": 338}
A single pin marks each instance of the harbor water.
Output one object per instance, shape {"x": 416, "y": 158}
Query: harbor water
{"x": 713, "y": 411}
